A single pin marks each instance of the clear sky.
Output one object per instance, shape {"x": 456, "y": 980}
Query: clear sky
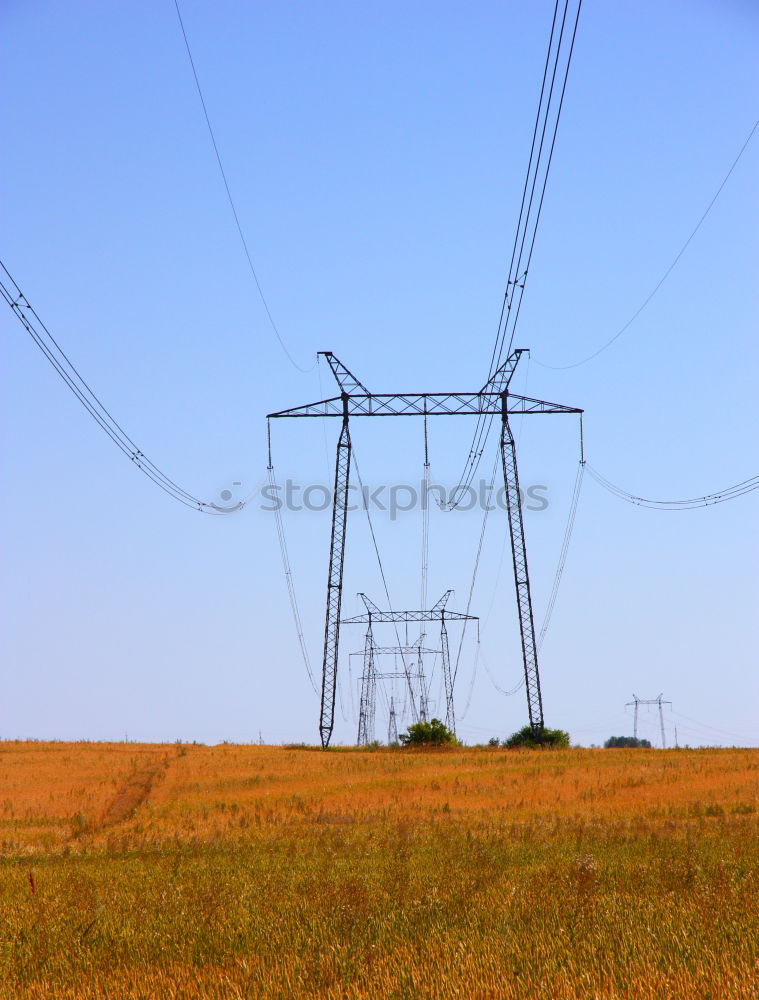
{"x": 376, "y": 153}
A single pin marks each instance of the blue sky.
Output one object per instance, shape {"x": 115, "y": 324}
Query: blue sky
{"x": 376, "y": 154}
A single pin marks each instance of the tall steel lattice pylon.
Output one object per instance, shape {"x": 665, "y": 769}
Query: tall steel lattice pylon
{"x": 355, "y": 400}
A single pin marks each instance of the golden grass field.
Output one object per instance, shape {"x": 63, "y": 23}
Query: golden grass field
{"x": 131, "y": 871}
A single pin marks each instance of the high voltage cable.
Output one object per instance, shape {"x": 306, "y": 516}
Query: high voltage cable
{"x": 730, "y": 493}
{"x": 476, "y": 566}
{"x": 716, "y": 729}
{"x": 471, "y": 683}
{"x": 65, "y": 368}
{"x": 545, "y": 177}
{"x": 666, "y": 274}
{"x": 499, "y": 689}
{"x": 244, "y": 242}
{"x": 563, "y": 555}
{"x": 288, "y": 569}
{"x": 538, "y": 170}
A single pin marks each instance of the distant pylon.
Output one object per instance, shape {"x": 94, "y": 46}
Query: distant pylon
{"x": 373, "y": 615}
{"x": 368, "y": 692}
{"x": 424, "y": 711}
{"x": 392, "y": 727}
{"x": 649, "y": 701}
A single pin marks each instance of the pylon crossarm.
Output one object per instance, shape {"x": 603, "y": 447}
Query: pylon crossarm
{"x": 422, "y": 404}
{"x": 396, "y": 675}
{"x": 398, "y": 651}
{"x": 408, "y": 616}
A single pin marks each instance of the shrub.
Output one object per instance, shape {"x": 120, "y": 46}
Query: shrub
{"x": 614, "y": 742}
{"x": 432, "y": 733}
{"x": 558, "y": 739}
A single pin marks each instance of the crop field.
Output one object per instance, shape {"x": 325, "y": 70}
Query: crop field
{"x": 155, "y": 871}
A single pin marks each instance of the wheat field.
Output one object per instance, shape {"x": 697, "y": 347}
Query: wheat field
{"x": 184, "y": 871}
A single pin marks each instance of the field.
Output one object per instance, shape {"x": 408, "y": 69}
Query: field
{"x": 228, "y": 872}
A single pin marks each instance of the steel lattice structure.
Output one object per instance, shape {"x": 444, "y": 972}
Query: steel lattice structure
{"x": 660, "y": 701}
{"x": 374, "y": 615}
{"x": 355, "y": 400}
{"x": 392, "y": 727}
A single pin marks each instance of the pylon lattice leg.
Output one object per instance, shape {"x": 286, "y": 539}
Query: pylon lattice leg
{"x": 335, "y": 584}
{"x": 521, "y": 575}
{"x": 450, "y": 718}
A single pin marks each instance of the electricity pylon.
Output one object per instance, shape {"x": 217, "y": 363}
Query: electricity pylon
{"x": 374, "y": 615}
{"x": 649, "y": 701}
{"x": 494, "y": 399}
{"x": 370, "y": 676}
{"x": 392, "y": 727}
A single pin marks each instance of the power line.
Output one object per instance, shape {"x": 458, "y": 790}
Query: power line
{"x": 509, "y": 282}
{"x": 547, "y": 170}
{"x": 563, "y": 554}
{"x": 729, "y": 493}
{"x": 666, "y": 274}
{"x": 512, "y": 691}
{"x": 70, "y": 375}
{"x": 527, "y": 225}
{"x": 288, "y": 569}
{"x": 716, "y": 729}
{"x": 464, "y": 714}
{"x": 477, "y": 557}
{"x": 238, "y": 224}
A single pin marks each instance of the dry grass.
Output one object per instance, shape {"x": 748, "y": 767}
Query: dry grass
{"x": 160, "y": 872}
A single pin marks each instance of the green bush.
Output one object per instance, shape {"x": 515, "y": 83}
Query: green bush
{"x": 558, "y": 739}
{"x": 432, "y": 733}
{"x": 626, "y": 741}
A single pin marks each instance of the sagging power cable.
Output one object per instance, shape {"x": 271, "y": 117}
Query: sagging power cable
{"x": 729, "y": 493}
{"x": 49, "y": 346}
{"x": 238, "y": 224}
{"x": 284, "y": 554}
{"x": 626, "y": 326}
{"x": 563, "y": 555}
